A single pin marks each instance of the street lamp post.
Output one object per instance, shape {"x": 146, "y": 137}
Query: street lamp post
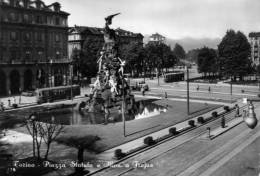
{"x": 231, "y": 89}
{"x": 188, "y": 92}
{"x": 71, "y": 88}
{"x": 123, "y": 105}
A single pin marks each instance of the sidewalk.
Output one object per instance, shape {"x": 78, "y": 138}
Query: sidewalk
{"x": 25, "y": 101}
{"x": 218, "y": 131}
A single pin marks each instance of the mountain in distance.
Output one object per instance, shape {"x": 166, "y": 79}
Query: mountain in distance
{"x": 189, "y": 43}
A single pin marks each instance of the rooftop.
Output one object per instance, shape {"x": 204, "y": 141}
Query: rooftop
{"x": 254, "y": 34}
{"x": 100, "y": 31}
{"x": 33, "y": 4}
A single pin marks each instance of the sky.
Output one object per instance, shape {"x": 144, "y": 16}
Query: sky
{"x": 174, "y": 19}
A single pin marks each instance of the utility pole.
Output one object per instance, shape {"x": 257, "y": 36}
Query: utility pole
{"x": 231, "y": 89}
{"x": 188, "y": 92}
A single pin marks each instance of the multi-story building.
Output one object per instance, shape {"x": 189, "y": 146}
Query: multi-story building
{"x": 157, "y": 38}
{"x": 33, "y": 46}
{"x": 254, "y": 38}
{"x": 79, "y": 34}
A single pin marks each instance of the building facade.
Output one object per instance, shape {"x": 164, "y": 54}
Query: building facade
{"x": 33, "y": 46}
{"x": 157, "y": 38}
{"x": 79, "y": 34}
{"x": 254, "y": 39}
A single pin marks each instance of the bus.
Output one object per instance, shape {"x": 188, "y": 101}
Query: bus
{"x": 174, "y": 77}
{"x": 56, "y": 93}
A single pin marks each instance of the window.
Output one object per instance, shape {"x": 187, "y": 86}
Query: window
{"x": 26, "y": 18}
{"x": 14, "y": 53}
{"x": 40, "y": 53}
{"x": 57, "y": 38}
{"x": 12, "y": 16}
{"x": 57, "y": 54}
{"x": 38, "y": 19}
{"x": 40, "y": 36}
{"x": 57, "y": 21}
{"x": 2, "y": 53}
{"x": 27, "y": 54}
{"x": 13, "y": 35}
{"x": 27, "y": 36}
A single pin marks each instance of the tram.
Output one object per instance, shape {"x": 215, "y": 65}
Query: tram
{"x": 174, "y": 77}
{"x": 56, "y": 93}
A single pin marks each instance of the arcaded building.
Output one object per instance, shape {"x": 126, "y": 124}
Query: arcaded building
{"x": 33, "y": 46}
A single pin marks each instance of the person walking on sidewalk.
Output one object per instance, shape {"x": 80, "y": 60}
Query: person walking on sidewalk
{"x": 209, "y": 89}
{"x": 237, "y": 110}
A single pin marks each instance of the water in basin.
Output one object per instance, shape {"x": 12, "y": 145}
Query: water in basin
{"x": 72, "y": 116}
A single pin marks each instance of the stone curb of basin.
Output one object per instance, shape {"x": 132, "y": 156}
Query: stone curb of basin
{"x": 34, "y": 104}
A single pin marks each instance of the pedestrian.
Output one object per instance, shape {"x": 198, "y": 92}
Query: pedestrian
{"x": 223, "y": 122}
{"x": 2, "y": 108}
{"x": 165, "y": 95}
{"x": 209, "y": 89}
{"x": 143, "y": 91}
{"x": 20, "y": 99}
{"x": 244, "y": 114}
{"x": 237, "y": 110}
{"x": 198, "y": 88}
{"x": 9, "y": 102}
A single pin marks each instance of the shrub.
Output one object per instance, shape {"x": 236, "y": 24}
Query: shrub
{"x": 149, "y": 140}
{"x": 191, "y": 123}
{"x": 214, "y": 114}
{"x": 15, "y": 105}
{"x": 119, "y": 154}
{"x": 201, "y": 120}
{"x": 173, "y": 131}
{"x": 226, "y": 108}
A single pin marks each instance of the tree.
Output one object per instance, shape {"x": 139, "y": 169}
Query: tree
{"x": 80, "y": 143}
{"x": 49, "y": 132}
{"x": 159, "y": 56}
{"x": 89, "y": 56}
{"x": 40, "y": 131}
{"x": 234, "y": 52}
{"x": 133, "y": 54}
{"x": 207, "y": 61}
{"x": 192, "y": 55}
{"x": 178, "y": 51}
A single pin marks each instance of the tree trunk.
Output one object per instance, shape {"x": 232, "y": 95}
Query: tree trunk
{"x": 47, "y": 151}
{"x": 80, "y": 160}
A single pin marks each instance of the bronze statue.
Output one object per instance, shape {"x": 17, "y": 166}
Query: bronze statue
{"x": 110, "y": 84}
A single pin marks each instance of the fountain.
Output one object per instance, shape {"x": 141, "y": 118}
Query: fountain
{"x": 111, "y": 86}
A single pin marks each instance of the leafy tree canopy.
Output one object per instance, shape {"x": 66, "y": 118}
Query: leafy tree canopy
{"x": 178, "y": 51}
{"x": 234, "y": 52}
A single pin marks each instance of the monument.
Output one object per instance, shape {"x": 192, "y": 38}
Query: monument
{"x": 110, "y": 85}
